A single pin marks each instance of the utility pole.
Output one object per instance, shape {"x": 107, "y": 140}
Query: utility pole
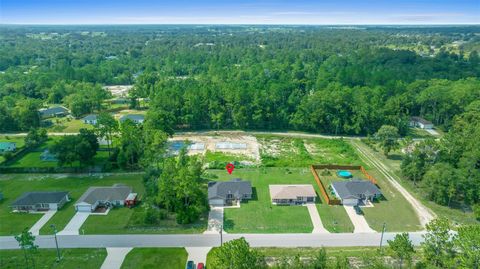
{"x": 221, "y": 234}
{"x": 56, "y": 242}
{"x": 381, "y": 238}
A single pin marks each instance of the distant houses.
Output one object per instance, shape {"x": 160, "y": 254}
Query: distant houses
{"x": 136, "y": 118}
{"x": 292, "y": 194}
{"x": 57, "y": 111}
{"x": 40, "y": 201}
{"x": 420, "y": 123}
{"x": 90, "y": 119}
{"x": 8, "y": 147}
{"x": 222, "y": 193}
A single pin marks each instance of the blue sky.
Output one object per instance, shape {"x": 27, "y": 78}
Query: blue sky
{"x": 240, "y": 12}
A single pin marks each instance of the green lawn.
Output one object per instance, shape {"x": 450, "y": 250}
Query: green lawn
{"x": 130, "y": 221}
{"x": 282, "y": 151}
{"x": 260, "y": 216}
{"x": 67, "y": 125}
{"x": 394, "y": 210}
{"x": 14, "y": 186}
{"x": 46, "y": 258}
{"x": 225, "y": 157}
{"x": 146, "y": 258}
{"x": 32, "y": 159}
{"x": 393, "y": 163}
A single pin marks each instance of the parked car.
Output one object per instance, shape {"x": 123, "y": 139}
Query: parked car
{"x": 190, "y": 265}
{"x": 200, "y": 265}
{"x": 358, "y": 210}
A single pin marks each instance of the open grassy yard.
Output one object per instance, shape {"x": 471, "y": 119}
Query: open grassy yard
{"x": 222, "y": 157}
{"x": 457, "y": 215}
{"x": 46, "y": 259}
{"x": 14, "y": 186}
{"x": 32, "y": 159}
{"x": 282, "y": 151}
{"x": 145, "y": 258}
{"x": 130, "y": 221}
{"x": 260, "y": 216}
{"x": 68, "y": 125}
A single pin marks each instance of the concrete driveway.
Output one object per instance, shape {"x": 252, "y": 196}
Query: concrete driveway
{"x": 197, "y": 254}
{"x": 115, "y": 257}
{"x": 316, "y": 221}
{"x": 75, "y": 223}
{"x": 359, "y": 221}
{"x": 215, "y": 220}
{"x": 35, "y": 230}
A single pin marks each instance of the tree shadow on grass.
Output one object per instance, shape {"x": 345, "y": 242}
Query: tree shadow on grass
{"x": 395, "y": 157}
{"x": 228, "y": 224}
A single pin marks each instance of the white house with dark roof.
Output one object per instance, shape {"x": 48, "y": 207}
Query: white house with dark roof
{"x": 229, "y": 192}
{"x": 356, "y": 191}
{"x": 420, "y": 123}
{"x": 90, "y": 119}
{"x": 40, "y": 201}
{"x": 56, "y": 111}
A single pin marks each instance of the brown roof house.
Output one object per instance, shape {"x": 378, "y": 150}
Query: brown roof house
{"x": 292, "y": 194}
{"x": 103, "y": 196}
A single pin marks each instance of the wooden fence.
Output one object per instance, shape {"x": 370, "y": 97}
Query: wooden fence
{"x": 323, "y": 190}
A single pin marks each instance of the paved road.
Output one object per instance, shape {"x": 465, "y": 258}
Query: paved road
{"x": 424, "y": 214}
{"x": 210, "y": 240}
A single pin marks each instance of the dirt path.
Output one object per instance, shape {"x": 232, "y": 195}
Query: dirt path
{"x": 424, "y": 214}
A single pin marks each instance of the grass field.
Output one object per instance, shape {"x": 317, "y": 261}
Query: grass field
{"x": 222, "y": 157}
{"x": 65, "y": 125}
{"x": 146, "y": 258}
{"x": 14, "y": 186}
{"x": 260, "y": 216}
{"x": 393, "y": 163}
{"x": 32, "y": 159}
{"x": 281, "y": 151}
{"x": 46, "y": 259}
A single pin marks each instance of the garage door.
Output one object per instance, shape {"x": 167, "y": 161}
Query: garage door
{"x": 216, "y": 202}
{"x": 83, "y": 208}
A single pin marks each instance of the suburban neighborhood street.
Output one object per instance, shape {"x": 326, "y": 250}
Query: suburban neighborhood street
{"x": 210, "y": 240}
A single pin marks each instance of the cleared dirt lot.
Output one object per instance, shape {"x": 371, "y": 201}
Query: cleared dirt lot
{"x": 236, "y": 143}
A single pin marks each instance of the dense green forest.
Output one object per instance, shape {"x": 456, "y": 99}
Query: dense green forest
{"x": 335, "y": 80}
{"x": 322, "y": 79}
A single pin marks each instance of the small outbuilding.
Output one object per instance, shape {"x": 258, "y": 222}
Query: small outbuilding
{"x": 8, "y": 147}
{"x": 229, "y": 192}
{"x": 90, "y": 119}
{"x": 103, "y": 196}
{"x": 356, "y": 191}
{"x": 290, "y": 194}
{"x": 40, "y": 201}
{"x": 420, "y": 123}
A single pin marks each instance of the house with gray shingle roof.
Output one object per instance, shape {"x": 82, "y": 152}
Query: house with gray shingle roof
{"x": 103, "y": 196}
{"x": 356, "y": 191}
{"x": 56, "y": 111}
{"x": 90, "y": 119}
{"x": 229, "y": 192}
{"x": 136, "y": 118}
{"x": 40, "y": 200}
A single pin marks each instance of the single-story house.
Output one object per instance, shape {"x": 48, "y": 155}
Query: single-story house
{"x": 420, "y": 123}
{"x": 229, "y": 192}
{"x": 103, "y": 196}
{"x": 356, "y": 191}
{"x": 47, "y": 156}
{"x": 40, "y": 200}
{"x": 136, "y": 118}
{"x": 286, "y": 194}
{"x": 7, "y": 146}
{"x": 90, "y": 119}
{"x": 57, "y": 111}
